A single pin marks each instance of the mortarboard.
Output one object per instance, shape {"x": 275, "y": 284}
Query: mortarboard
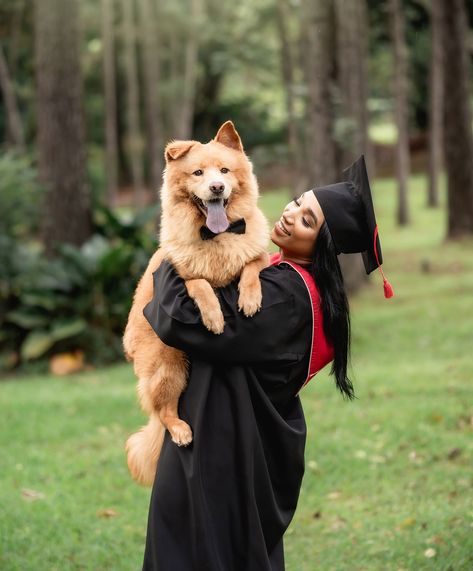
{"x": 349, "y": 213}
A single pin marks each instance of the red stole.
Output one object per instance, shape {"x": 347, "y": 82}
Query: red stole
{"x": 321, "y": 352}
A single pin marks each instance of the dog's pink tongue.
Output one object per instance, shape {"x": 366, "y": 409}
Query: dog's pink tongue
{"x": 216, "y": 218}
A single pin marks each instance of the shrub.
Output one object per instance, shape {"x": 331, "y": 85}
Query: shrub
{"x": 80, "y": 299}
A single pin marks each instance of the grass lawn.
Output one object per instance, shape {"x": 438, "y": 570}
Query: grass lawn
{"x": 389, "y": 479}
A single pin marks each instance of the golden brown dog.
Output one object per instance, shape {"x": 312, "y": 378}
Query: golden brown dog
{"x": 208, "y": 185}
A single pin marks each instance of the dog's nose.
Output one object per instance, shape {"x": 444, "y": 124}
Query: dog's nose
{"x": 217, "y": 187}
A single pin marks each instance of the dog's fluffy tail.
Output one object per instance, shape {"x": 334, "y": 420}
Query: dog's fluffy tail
{"x": 143, "y": 449}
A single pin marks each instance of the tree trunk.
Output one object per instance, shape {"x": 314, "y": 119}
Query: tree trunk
{"x": 151, "y": 73}
{"x": 111, "y": 139}
{"x": 134, "y": 138}
{"x": 61, "y": 136}
{"x": 15, "y": 128}
{"x": 435, "y": 103}
{"x": 186, "y": 114}
{"x": 351, "y": 53}
{"x": 458, "y": 140}
{"x": 401, "y": 108}
{"x": 317, "y": 22}
{"x": 287, "y": 67}
{"x": 351, "y": 32}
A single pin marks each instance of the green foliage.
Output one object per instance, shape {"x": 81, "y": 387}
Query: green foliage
{"x": 20, "y": 196}
{"x": 80, "y": 299}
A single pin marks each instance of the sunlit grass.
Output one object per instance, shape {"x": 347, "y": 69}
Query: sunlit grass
{"x": 388, "y": 478}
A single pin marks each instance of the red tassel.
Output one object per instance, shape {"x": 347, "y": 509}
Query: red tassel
{"x": 388, "y": 289}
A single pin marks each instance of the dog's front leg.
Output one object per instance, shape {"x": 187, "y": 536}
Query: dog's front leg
{"x": 207, "y": 302}
{"x": 250, "y": 298}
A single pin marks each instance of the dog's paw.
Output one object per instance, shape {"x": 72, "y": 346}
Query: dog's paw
{"x": 249, "y": 300}
{"x": 213, "y": 320}
{"x": 181, "y": 433}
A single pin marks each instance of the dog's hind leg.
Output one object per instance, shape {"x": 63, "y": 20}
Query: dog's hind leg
{"x": 180, "y": 431}
{"x": 164, "y": 389}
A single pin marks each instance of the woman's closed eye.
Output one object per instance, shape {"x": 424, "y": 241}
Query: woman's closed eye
{"x": 304, "y": 220}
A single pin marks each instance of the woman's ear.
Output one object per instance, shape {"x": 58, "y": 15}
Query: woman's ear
{"x": 176, "y": 149}
{"x": 228, "y": 136}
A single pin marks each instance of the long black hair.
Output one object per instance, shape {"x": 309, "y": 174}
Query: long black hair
{"x": 327, "y": 275}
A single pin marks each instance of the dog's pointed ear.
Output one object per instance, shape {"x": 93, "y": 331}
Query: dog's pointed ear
{"x": 176, "y": 149}
{"x": 228, "y": 136}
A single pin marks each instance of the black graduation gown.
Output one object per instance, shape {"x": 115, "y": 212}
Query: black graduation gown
{"x": 224, "y": 502}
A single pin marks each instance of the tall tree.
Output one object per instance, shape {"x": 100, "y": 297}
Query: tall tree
{"x": 186, "y": 112}
{"x": 317, "y": 32}
{"x": 352, "y": 93}
{"x": 151, "y": 76}
{"x": 61, "y": 136}
{"x": 111, "y": 139}
{"x": 458, "y": 140}
{"x": 287, "y": 68}
{"x": 435, "y": 102}
{"x": 15, "y": 128}
{"x": 134, "y": 138}
{"x": 352, "y": 53}
{"x": 401, "y": 86}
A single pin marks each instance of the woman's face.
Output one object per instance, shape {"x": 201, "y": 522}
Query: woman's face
{"x": 297, "y": 229}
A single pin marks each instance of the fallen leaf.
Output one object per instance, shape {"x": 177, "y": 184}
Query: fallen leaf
{"x": 430, "y": 552}
{"x": 66, "y": 363}
{"x": 454, "y": 453}
{"x": 107, "y": 512}
{"x": 32, "y": 495}
{"x": 408, "y": 522}
{"x": 333, "y": 495}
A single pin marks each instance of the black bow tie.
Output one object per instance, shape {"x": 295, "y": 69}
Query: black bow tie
{"x": 237, "y": 227}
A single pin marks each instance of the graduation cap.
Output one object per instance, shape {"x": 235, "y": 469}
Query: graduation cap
{"x": 349, "y": 213}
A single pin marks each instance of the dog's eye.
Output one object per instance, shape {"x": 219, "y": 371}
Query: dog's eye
{"x": 198, "y": 172}
{"x": 224, "y": 170}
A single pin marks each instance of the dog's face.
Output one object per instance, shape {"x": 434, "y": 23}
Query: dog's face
{"x": 212, "y": 182}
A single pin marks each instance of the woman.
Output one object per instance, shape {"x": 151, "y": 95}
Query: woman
{"x": 224, "y": 502}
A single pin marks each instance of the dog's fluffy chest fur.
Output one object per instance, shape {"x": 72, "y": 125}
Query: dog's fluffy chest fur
{"x": 220, "y": 260}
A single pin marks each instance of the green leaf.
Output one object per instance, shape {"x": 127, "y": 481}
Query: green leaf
{"x": 36, "y": 344}
{"x": 68, "y": 328}
{"x": 26, "y": 319}
{"x": 40, "y": 299}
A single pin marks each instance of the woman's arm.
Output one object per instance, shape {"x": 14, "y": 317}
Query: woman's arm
{"x": 279, "y": 332}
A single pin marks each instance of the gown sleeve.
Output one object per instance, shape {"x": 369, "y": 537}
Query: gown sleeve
{"x": 278, "y": 333}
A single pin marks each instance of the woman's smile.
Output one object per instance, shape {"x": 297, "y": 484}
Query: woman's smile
{"x": 296, "y": 230}
{"x": 281, "y": 229}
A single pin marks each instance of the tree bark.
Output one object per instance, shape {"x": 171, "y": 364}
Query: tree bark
{"x": 435, "y": 103}
{"x": 151, "y": 76}
{"x": 351, "y": 34}
{"x": 61, "y": 136}
{"x": 134, "y": 137}
{"x": 186, "y": 114}
{"x": 317, "y": 30}
{"x": 110, "y": 89}
{"x": 287, "y": 67}
{"x": 401, "y": 109}
{"x": 351, "y": 53}
{"x": 458, "y": 140}
{"x": 15, "y": 127}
